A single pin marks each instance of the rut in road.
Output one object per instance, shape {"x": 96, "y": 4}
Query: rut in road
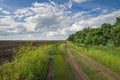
{"x": 50, "y": 75}
{"x": 78, "y": 73}
{"x": 107, "y": 72}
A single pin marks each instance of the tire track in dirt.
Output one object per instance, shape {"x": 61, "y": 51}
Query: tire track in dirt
{"x": 50, "y": 75}
{"x": 78, "y": 73}
{"x": 107, "y": 72}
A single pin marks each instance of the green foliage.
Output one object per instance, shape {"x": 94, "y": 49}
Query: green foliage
{"x": 104, "y": 35}
{"x": 30, "y": 63}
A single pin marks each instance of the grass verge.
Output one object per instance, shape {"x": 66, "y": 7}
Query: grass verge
{"x": 62, "y": 68}
{"x": 109, "y": 57}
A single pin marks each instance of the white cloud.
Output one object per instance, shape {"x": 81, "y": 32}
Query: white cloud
{"x": 80, "y": 1}
{"x": 21, "y": 13}
{"x": 97, "y": 21}
{"x": 49, "y": 21}
{"x": 4, "y": 11}
{"x": 8, "y": 20}
{"x": 1, "y": 8}
{"x": 104, "y": 11}
{"x": 108, "y": 18}
{"x": 96, "y": 9}
{"x": 42, "y": 18}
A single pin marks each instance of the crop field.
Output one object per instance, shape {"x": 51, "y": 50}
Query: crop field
{"x": 56, "y": 60}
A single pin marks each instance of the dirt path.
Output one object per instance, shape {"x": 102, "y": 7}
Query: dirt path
{"x": 50, "y": 75}
{"x": 79, "y": 74}
{"x": 100, "y": 67}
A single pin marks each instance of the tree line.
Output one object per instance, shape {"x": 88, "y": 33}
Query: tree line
{"x": 106, "y": 34}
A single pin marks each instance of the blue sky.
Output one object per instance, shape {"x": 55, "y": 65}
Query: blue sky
{"x": 53, "y": 19}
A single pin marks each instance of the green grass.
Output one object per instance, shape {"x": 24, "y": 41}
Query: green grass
{"x": 62, "y": 68}
{"x": 30, "y": 64}
{"x": 108, "y": 56}
{"x": 89, "y": 69}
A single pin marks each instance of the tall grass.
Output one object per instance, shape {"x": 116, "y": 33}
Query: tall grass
{"x": 30, "y": 63}
{"x": 109, "y": 57}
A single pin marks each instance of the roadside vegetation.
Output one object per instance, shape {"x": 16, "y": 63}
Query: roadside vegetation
{"x": 30, "y": 63}
{"x": 102, "y": 44}
{"x": 107, "y": 57}
{"x": 110, "y": 58}
{"x": 88, "y": 68}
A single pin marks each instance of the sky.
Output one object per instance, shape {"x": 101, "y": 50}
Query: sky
{"x": 53, "y": 19}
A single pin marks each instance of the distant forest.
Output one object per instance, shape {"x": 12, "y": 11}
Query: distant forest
{"x": 104, "y": 35}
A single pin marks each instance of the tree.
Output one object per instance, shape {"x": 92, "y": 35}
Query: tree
{"x": 106, "y": 34}
{"x": 117, "y": 22}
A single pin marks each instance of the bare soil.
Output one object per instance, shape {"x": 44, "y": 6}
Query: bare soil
{"x": 107, "y": 72}
{"x": 75, "y": 65}
{"x": 50, "y": 75}
{"x": 7, "y": 48}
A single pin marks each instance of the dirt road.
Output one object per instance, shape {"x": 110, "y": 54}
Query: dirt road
{"x": 75, "y": 65}
{"x": 107, "y": 72}
{"x": 50, "y": 75}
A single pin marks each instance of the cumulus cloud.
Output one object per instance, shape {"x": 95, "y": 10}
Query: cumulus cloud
{"x": 42, "y": 18}
{"x": 4, "y": 11}
{"x": 49, "y": 21}
{"x": 21, "y": 13}
{"x": 97, "y": 21}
